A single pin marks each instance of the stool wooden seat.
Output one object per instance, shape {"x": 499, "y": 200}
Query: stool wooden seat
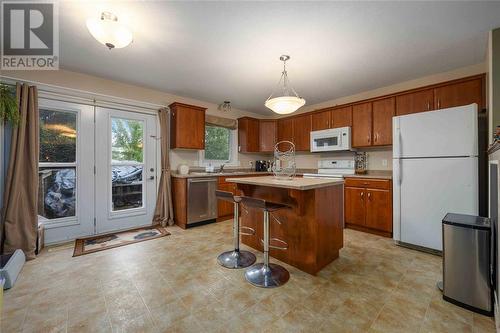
{"x": 235, "y": 258}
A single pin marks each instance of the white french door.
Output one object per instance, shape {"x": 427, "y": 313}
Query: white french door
{"x": 125, "y": 162}
{"x": 97, "y": 169}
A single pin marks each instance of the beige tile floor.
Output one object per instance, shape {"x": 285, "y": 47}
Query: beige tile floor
{"x": 173, "y": 284}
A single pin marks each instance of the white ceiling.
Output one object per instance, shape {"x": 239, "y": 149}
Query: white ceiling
{"x": 216, "y": 51}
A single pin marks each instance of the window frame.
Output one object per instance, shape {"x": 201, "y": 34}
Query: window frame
{"x": 233, "y": 151}
{"x": 68, "y": 220}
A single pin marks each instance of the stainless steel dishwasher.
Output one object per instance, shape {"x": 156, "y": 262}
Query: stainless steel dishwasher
{"x": 202, "y": 204}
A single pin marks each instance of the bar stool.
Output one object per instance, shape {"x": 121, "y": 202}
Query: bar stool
{"x": 235, "y": 258}
{"x": 264, "y": 274}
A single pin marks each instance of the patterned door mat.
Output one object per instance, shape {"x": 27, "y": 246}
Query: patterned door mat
{"x": 108, "y": 241}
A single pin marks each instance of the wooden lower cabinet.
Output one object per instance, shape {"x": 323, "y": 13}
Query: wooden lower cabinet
{"x": 368, "y": 205}
{"x": 225, "y": 210}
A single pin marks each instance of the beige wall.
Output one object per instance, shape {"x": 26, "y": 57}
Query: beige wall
{"x": 99, "y": 86}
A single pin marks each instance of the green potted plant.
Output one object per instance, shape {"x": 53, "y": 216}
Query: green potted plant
{"x": 8, "y": 105}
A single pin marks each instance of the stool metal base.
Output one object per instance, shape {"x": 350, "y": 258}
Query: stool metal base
{"x": 267, "y": 277}
{"x": 236, "y": 259}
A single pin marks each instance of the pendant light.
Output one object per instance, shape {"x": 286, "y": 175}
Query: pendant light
{"x": 289, "y": 101}
{"x": 109, "y": 32}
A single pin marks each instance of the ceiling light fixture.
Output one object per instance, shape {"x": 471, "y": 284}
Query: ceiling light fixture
{"x": 109, "y": 32}
{"x": 225, "y": 107}
{"x": 290, "y": 101}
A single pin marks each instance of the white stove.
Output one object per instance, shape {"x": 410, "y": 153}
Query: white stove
{"x": 333, "y": 168}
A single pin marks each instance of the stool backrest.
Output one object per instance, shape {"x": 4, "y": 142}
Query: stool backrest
{"x": 226, "y": 196}
{"x": 262, "y": 204}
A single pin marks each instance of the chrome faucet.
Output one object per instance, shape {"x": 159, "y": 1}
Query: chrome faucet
{"x": 221, "y": 168}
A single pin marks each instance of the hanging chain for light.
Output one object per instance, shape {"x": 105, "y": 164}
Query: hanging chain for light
{"x": 287, "y": 88}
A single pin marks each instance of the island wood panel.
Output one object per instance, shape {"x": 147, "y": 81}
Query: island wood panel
{"x": 457, "y": 94}
{"x": 383, "y": 111}
{"x": 312, "y": 226}
{"x": 321, "y": 120}
{"x": 362, "y": 125}
{"x": 342, "y": 117}
{"x": 187, "y": 128}
{"x": 301, "y": 132}
{"x": 268, "y": 135}
{"x": 413, "y": 102}
{"x": 225, "y": 209}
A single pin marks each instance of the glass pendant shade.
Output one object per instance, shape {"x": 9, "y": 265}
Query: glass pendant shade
{"x": 289, "y": 101}
{"x": 285, "y": 104}
{"x": 109, "y": 32}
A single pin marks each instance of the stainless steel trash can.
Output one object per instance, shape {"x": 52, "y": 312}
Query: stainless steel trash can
{"x": 467, "y": 262}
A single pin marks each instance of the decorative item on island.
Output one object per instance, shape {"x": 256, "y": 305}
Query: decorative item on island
{"x": 284, "y": 160}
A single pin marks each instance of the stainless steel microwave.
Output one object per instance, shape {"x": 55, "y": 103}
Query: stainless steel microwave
{"x": 333, "y": 139}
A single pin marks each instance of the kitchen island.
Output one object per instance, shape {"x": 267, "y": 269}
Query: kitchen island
{"x": 312, "y": 226}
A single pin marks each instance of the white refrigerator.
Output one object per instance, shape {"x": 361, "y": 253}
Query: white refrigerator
{"x": 435, "y": 169}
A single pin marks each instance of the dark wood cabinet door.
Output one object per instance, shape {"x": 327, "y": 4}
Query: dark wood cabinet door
{"x": 248, "y": 135}
{"x": 267, "y": 135}
{"x": 354, "y": 205}
{"x": 378, "y": 209}
{"x": 342, "y": 117}
{"x": 301, "y": 132}
{"x": 321, "y": 120}
{"x": 187, "y": 126}
{"x": 362, "y": 125}
{"x": 414, "y": 102}
{"x": 383, "y": 111}
{"x": 225, "y": 208}
{"x": 458, "y": 94}
{"x": 285, "y": 129}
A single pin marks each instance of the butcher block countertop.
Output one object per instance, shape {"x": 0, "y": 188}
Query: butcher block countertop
{"x": 296, "y": 183}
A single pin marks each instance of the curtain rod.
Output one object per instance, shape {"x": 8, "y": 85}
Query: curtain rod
{"x": 82, "y": 94}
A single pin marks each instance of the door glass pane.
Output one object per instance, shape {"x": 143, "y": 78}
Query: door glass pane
{"x": 126, "y": 187}
{"x": 57, "y": 136}
{"x": 57, "y": 192}
{"x": 127, "y": 140}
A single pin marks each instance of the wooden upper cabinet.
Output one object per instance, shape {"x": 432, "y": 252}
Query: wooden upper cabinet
{"x": 362, "y": 125}
{"x": 321, "y": 120}
{"x": 285, "y": 129}
{"x": 267, "y": 135}
{"x": 461, "y": 93}
{"x": 187, "y": 129}
{"x": 301, "y": 132}
{"x": 382, "y": 113}
{"x": 342, "y": 117}
{"x": 418, "y": 101}
{"x": 248, "y": 135}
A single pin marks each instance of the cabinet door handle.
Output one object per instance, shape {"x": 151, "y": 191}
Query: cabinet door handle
{"x": 376, "y": 137}
{"x": 368, "y": 138}
{"x": 369, "y": 195}
{"x": 428, "y": 106}
{"x": 439, "y": 104}
{"x": 362, "y": 195}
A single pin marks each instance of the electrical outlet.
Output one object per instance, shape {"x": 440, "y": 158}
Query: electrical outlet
{"x": 384, "y": 162}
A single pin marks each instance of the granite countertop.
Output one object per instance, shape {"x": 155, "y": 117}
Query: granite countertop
{"x": 296, "y": 183}
{"x": 380, "y": 174}
{"x": 200, "y": 174}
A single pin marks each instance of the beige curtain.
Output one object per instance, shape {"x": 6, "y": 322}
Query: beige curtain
{"x": 21, "y": 189}
{"x": 164, "y": 213}
{"x": 221, "y": 122}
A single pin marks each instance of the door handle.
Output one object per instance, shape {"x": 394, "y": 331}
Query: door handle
{"x": 369, "y": 195}
{"x": 151, "y": 177}
{"x": 362, "y": 195}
